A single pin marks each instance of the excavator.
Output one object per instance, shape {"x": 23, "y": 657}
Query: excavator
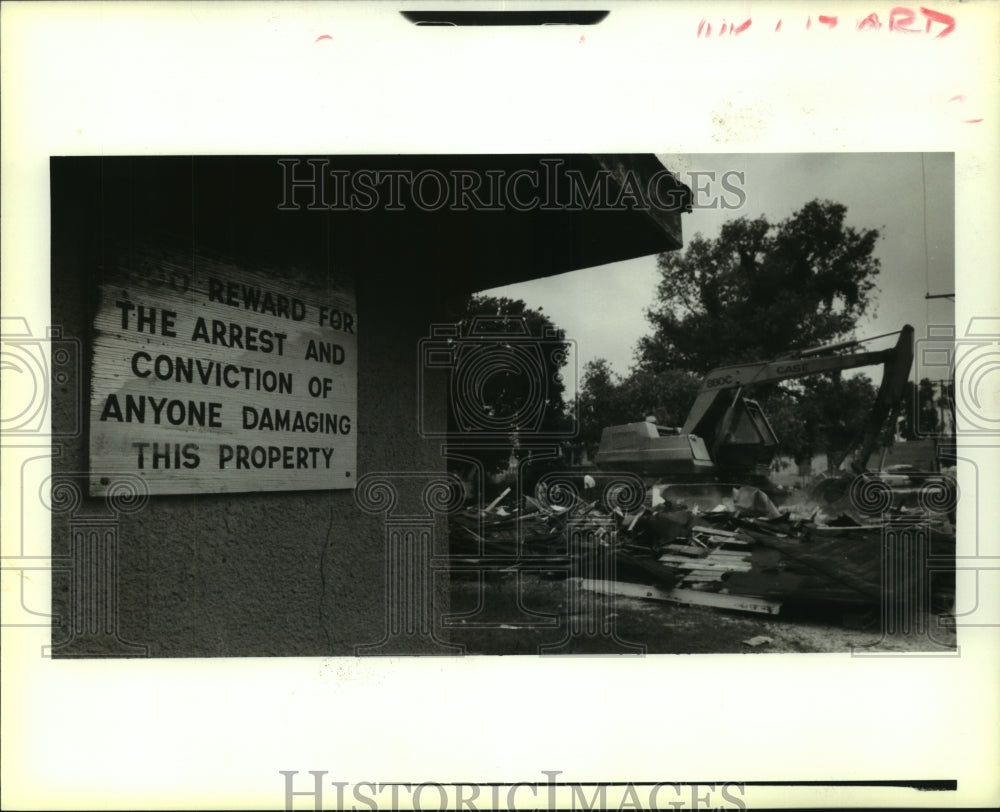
{"x": 727, "y": 436}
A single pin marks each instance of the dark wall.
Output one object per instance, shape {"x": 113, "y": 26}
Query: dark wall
{"x": 246, "y": 574}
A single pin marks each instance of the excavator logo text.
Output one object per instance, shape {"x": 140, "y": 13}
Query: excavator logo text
{"x": 723, "y": 380}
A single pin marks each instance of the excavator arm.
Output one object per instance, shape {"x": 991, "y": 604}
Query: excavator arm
{"x": 714, "y": 408}
{"x": 726, "y": 432}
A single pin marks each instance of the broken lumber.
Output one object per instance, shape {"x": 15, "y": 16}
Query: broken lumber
{"x": 659, "y": 573}
{"x": 692, "y": 597}
{"x": 496, "y": 501}
{"x": 705, "y": 563}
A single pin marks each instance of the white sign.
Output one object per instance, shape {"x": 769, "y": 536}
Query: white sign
{"x": 215, "y": 378}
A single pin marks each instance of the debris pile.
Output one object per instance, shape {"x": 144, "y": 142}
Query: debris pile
{"x": 722, "y": 546}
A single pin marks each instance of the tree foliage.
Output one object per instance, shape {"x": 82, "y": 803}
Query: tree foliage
{"x": 824, "y": 415}
{"x": 925, "y": 409}
{"x": 760, "y": 290}
{"x": 756, "y": 292}
{"x": 507, "y": 376}
{"x": 607, "y": 399}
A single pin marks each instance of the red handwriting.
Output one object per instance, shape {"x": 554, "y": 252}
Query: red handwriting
{"x": 961, "y": 98}
{"x": 725, "y": 28}
{"x": 902, "y": 20}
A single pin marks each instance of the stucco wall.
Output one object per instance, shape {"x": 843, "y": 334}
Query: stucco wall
{"x": 242, "y": 574}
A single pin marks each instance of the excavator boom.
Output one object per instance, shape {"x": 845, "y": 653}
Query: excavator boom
{"x": 725, "y": 430}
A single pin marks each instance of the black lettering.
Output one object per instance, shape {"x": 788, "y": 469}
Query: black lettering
{"x": 218, "y": 332}
{"x": 135, "y": 369}
{"x": 167, "y": 322}
{"x": 191, "y": 458}
{"x": 183, "y": 369}
{"x": 146, "y": 317}
{"x": 282, "y": 307}
{"x": 196, "y": 412}
{"x": 141, "y": 448}
{"x": 267, "y": 304}
{"x": 161, "y": 455}
{"x": 251, "y": 298}
{"x": 135, "y": 409}
{"x": 215, "y": 290}
{"x": 157, "y": 408}
{"x": 204, "y": 373}
{"x": 125, "y": 308}
{"x": 111, "y": 409}
{"x": 200, "y": 332}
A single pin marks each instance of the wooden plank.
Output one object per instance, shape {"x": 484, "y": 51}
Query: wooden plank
{"x": 705, "y": 564}
{"x": 689, "y": 549}
{"x": 472, "y": 533}
{"x": 213, "y": 378}
{"x": 697, "y": 553}
{"x": 712, "y": 531}
{"x": 692, "y": 597}
{"x": 651, "y": 569}
{"x": 496, "y": 501}
{"x": 713, "y": 540}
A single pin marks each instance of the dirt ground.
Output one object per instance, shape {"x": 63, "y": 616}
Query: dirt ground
{"x": 533, "y": 612}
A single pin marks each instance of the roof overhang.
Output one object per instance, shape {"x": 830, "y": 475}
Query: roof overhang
{"x": 468, "y": 222}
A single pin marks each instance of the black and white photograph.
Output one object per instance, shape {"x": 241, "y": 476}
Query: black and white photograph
{"x": 506, "y": 475}
{"x": 643, "y": 395}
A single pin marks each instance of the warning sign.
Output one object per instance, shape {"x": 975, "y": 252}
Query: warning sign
{"x": 215, "y": 378}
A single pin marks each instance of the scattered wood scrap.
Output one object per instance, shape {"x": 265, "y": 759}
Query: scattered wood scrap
{"x": 692, "y": 597}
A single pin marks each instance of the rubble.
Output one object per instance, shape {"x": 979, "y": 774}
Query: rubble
{"x": 721, "y": 546}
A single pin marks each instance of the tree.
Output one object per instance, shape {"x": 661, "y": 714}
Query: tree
{"x": 506, "y": 379}
{"x": 834, "y": 414}
{"x": 922, "y": 409}
{"x": 607, "y": 399}
{"x": 760, "y": 290}
{"x": 756, "y": 292}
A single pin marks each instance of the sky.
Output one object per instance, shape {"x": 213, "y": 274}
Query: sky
{"x": 602, "y": 309}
